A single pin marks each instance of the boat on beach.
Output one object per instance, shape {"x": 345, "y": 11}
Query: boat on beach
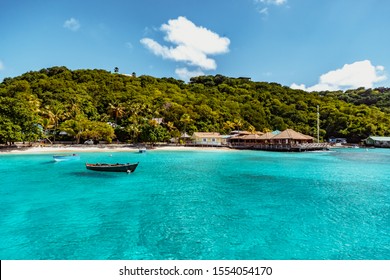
{"x": 117, "y": 167}
{"x": 142, "y": 150}
{"x": 66, "y": 157}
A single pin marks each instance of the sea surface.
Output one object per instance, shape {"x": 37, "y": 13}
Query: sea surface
{"x": 198, "y": 205}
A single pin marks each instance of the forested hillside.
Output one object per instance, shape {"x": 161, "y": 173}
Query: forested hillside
{"x": 102, "y": 105}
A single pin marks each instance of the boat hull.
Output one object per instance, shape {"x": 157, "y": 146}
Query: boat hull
{"x": 105, "y": 167}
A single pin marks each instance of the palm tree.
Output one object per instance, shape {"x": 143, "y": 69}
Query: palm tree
{"x": 46, "y": 124}
{"x": 170, "y": 126}
{"x": 251, "y": 129}
{"x": 75, "y": 127}
{"x": 229, "y": 125}
{"x": 116, "y": 110}
{"x": 73, "y": 110}
{"x": 134, "y": 130}
{"x": 55, "y": 112}
{"x": 186, "y": 120}
{"x": 238, "y": 123}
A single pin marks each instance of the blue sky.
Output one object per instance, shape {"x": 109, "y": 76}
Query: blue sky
{"x": 312, "y": 45}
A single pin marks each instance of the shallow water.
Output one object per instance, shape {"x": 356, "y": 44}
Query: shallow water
{"x": 196, "y": 205}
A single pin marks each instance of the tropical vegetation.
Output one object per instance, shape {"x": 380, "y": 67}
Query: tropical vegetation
{"x": 60, "y": 104}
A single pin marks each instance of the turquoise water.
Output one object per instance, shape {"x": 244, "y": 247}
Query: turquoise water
{"x": 198, "y": 205}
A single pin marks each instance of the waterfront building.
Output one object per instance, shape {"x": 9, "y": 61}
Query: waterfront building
{"x": 207, "y": 139}
{"x": 287, "y": 140}
{"x": 245, "y": 138}
{"x": 291, "y": 137}
{"x": 334, "y": 140}
{"x": 378, "y": 141}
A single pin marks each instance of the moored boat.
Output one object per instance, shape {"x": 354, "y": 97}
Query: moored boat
{"x": 66, "y": 157}
{"x": 142, "y": 150}
{"x": 117, "y": 167}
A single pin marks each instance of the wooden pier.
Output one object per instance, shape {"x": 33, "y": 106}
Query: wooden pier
{"x": 285, "y": 147}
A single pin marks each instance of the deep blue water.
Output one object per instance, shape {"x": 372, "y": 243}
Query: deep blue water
{"x": 198, "y": 205}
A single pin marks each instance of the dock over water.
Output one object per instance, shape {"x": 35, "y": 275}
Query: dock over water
{"x": 285, "y": 147}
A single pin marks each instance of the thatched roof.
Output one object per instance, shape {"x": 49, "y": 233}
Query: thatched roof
{"x": 185, "y": 135}
{"x": 267, "y": 136}
{"x": 292, "y": 134}
{"x": 250, "y": 137}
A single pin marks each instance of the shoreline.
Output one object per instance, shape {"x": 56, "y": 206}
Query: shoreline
{"x": 96, "y": 148}
{"x": 63, "y": 148}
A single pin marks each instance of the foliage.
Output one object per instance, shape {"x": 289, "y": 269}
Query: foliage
{"x": 102, "y": 105}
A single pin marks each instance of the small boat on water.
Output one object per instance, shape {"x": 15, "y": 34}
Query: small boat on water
{"x": 142, "y": 150}
{"x": 117, "y": 167}
{"x": 66, "y": 157}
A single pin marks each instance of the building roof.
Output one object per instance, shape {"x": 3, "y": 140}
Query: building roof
{"x": 267, "y": 136}
{"x": 239, "y": 132}
{"x": 250, "y": 136}
{"x": 206, "y": 134}
{"x": 292, "y": 134}
{"x": 379, "y": 138}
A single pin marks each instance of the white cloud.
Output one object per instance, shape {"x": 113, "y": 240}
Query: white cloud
{"x": 263, "y": 11}
{"x": 380, "y": 68}
{"x": 274, "y": 2}
{"x": 262, "y": 6}
{"x": 296, "y": 86}
{"x": 1, "y": 65}
{"x": 181, "y": 31}
{"x": 72, "y": 24}
{"x": 189, "y": 44}
{"x": 350, "y": 76}
{"x": 186, "y": 74}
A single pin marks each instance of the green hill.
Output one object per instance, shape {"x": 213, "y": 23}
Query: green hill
{"x": 102, "y": 105}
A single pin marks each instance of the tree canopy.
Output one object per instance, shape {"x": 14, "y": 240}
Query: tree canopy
{"x": 100, "y": 105}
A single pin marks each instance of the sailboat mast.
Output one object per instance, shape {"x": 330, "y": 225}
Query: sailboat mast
{"x": 318, "y": 124}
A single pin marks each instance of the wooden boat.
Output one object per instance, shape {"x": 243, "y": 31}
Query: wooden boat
{"x": 66, "y": 157}
{"x": 117, "y": 167}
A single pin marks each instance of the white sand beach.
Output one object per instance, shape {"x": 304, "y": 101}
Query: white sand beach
{"x": 94, "y": 148}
